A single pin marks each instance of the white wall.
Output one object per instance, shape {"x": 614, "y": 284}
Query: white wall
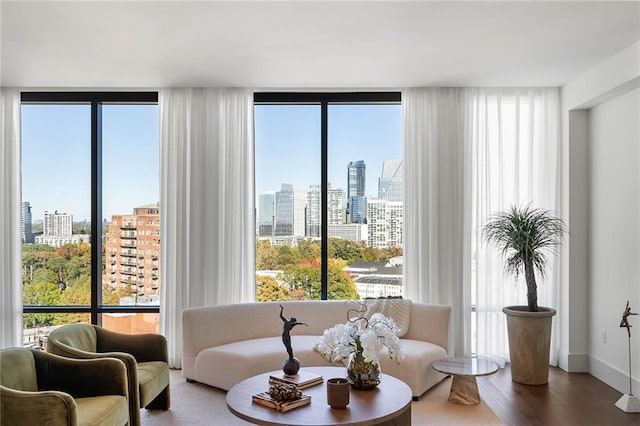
{"x": 615, "y": 234}
{"x": 601, "y": 138}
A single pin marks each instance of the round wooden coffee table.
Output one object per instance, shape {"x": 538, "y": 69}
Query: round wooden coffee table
{"x": 388, "y": 404}
{"x": 464, "y": 388}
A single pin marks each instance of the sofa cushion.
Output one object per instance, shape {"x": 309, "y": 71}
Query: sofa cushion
{"x": 415, "y": 369}
{"x": 256, "y": 356}
{"x": 251, "y": 357}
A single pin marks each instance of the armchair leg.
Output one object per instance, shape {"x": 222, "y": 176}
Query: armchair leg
{"x": 161, "y": 402}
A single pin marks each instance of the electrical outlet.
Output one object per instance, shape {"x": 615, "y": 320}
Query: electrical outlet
{"x": 604, "y": 335}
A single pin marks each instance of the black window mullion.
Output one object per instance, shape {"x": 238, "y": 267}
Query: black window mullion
{"x": 324, "y": 179}
{"x": 96, "y": 210}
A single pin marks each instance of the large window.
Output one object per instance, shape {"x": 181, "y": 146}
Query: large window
{"x": 90, "y": 211}
{"x": 329, "y": 188}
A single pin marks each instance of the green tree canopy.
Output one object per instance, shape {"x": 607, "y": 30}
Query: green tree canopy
{"x": 305, "y": 278}
{"x": 268, "y": 290}
{"x": 341, "y": 285}
{"x": 40, "y": 294}
{"x": 44, "y": 276}
{"x": 266, "y": 256}
{"x": 309, "y": 250}
{"x": 287, "y": 255}
{"x": 349, "y": 251}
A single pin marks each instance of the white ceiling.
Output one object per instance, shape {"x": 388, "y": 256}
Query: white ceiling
{"x": 308, "y": 44}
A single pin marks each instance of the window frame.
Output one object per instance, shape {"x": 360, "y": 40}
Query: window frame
{"x": 95, "y": 100}
{"x": 324, "y": 99}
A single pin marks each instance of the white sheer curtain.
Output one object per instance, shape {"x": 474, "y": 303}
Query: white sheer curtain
{"x": 206, "y": 210}
{"x": 515, "y": 140}
{"x": 436, "y": 262}
{"x": 10, "y": 239}
{"x": 469, "y": 153}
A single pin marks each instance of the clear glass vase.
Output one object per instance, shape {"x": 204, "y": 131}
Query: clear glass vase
{"x": 362, "y": 374}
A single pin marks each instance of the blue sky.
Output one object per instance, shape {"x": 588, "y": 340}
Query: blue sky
{"x": 56, "y": 155}
{"x": 288, "y": 143}
{"x": 56, "y": 152}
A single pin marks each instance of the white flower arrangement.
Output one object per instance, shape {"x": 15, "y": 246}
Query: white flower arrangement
{"x": 361, "y": 335}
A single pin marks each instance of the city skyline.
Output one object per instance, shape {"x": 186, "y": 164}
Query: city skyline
{"x": 56, "y": 152}
{"x": 353, "y": 131}
{"x": 293, "y": 212}
{"x": 375, "y": 194}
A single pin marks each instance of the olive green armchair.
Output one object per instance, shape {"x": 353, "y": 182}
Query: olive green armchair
{"x": 38, "y": 388}
{"x": 145, "y": 356}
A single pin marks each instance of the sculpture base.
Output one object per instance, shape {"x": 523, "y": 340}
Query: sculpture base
{"x": 629, "y": 403}
{"x": 291, "y": 366}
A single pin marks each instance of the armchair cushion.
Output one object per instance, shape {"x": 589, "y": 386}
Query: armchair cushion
{"x": 153, "y": 377}
{"x": 145, "y": 357}
{"x": 66, "y": 391}
{"x": 100, "y": 410}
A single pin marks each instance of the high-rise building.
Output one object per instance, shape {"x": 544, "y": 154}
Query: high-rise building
{"x": 314, "y": 212}
{"x": 390, "y": 182}
{"x": 58, "y": 230}
{"x": 356, "y": 186}
{"x": 26, "y": 223}
{"x": 336, "y": 206}
{"x": 266, "y": 214}
{"x": 57, "y": 224}
{"x": 290, "y": 211}
{"x": 385, "y": 221}
{"x": 132, "y": 251}
{"x": 357, "y": 209}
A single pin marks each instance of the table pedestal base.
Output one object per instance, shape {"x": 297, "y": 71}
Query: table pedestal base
{"x": 403, "y": 419}
{"x": 464, "y": 390}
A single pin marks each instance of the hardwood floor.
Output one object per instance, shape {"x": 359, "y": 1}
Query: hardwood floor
{"x": 568, "y": 399}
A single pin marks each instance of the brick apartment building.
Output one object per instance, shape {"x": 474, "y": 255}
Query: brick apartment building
{"x": 132, "y": 261}
{"x": 132, "y": 253}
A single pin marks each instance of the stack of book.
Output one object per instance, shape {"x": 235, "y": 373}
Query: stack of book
{"x": 302, "y": 380}
{"x": 263, "y": 398}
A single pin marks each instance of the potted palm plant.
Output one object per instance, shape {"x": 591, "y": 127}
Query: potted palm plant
{"x": 525, "y": 236}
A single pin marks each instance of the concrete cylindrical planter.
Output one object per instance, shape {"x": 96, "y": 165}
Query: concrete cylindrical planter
{"x": 529, "y": 342}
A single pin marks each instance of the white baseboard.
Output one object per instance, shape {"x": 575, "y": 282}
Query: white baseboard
{"x": 573, "y": 363}
{"x": 619, "y": 380}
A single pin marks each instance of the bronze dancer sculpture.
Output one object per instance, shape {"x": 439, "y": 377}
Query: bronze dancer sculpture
{"x": 628, "y": 403}
{"x": 291, "y": 365}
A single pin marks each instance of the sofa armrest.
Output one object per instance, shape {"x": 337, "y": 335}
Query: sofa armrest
{"x": 81, "y": 378}
{"x": 144, "y": 347}
{"x": 30, "y": 408}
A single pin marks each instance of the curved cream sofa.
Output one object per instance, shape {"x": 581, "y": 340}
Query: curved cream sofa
{"x": 223, "y": 345}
